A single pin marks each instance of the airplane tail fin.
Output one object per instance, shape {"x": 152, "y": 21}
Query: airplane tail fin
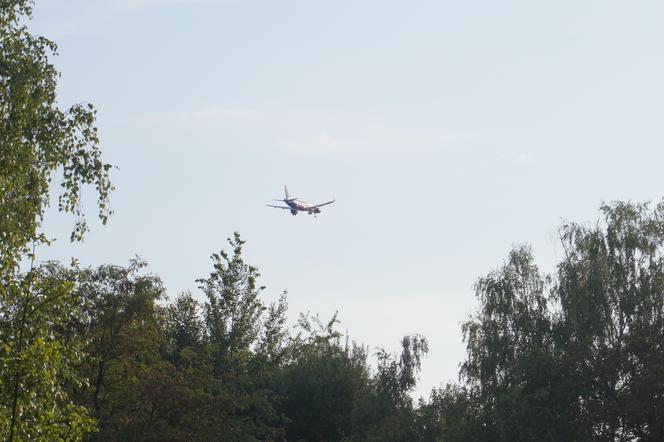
{"x": 286, "y": 192}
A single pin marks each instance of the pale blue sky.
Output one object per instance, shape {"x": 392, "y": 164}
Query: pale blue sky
{"x": 447, "y": 131}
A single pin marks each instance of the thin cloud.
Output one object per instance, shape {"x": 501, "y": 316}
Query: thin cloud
{"x": 349, "y": 132}
{"x": 311, "y": 131}
{"x": 206, "y": 117}
{"x": 524, "y": 157}
{"x": 369, "y": 140}
{"x": 134, "y": 4}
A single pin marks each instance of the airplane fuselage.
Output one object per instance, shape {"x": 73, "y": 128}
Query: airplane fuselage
{"x": 301, "y": 206}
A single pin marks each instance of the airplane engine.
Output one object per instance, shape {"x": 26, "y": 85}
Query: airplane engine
{"x": 294, "y": 212}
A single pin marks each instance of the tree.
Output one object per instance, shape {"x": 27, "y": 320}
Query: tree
{"x": 320, "y": 382}
{"x": 122, "y": 333}
{"x": 451, "y": 414}
{"x": 37, "y": 361}
{"x": 611, "y": 321}
{"x": 384, "y": 409}
{"x": 37, "y": 139}
{"x": 184, "y": 325}
{"x": 510, "y": 366}
{"x": 245, "y": 347}
{"x": 575, "y": 356}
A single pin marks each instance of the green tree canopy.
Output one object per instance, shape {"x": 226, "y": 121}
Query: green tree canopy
{"x": 38, "y": 139}
{"x": 574, "y": 356}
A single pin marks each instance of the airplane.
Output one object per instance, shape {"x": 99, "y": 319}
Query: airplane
{"x": 295, "y": 205}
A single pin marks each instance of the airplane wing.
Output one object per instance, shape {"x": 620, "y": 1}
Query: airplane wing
{"x": 323, "y": 204}
{"x": 277, "y": 207}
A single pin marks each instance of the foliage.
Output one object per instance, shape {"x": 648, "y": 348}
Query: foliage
{"x": 245, "y": 347}
{"x": 611, "y": 320}
{"x": 575, "y": 356}
{"x": 38, "y": 140}
{"x": 510, "y": 366}
{"x": 122, "y": 331}
{"x": 451, "y": 414}
{"x": 384, "y": 411}
{"x": 226, "y": 369}
{"x": 320, "y": 382}
{"x": 183, "y": 323}
{"x": 37, "y": 362}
